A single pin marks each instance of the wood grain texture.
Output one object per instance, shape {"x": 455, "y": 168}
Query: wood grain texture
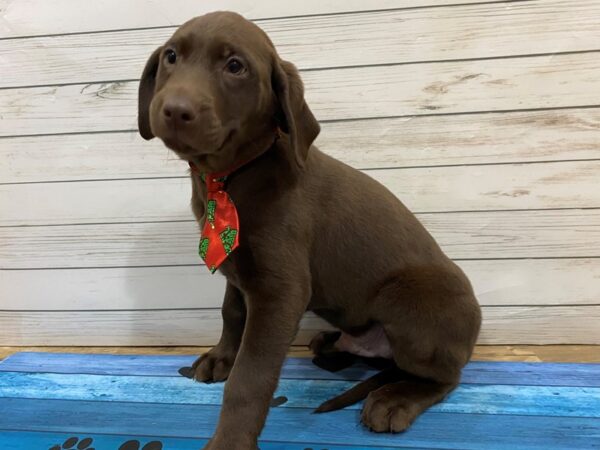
{"x": 422, "y": 190}
{"x": 509, "y": 282}
{"x": 328, "y": 41}
{"x": 531, "y": 282}
{"x": 154, "y": 327}
{"x": 353, "y": 93}
{"x": 296, "y": 351}
{"x": 126, "y": 288}
{"x": 435, "y": 430}
{"x": 437, "y": 72}
{"x": 166, "y": 362}
{"x": 562, "y": 401}
{"x": 115, "y": 14}
{"x": 562, "y": 353}
{"x": 465, "y": 235}
{"x": 494, "y": 138}
{"x": 501, "y": 325}
{"x": 117, "y": 395}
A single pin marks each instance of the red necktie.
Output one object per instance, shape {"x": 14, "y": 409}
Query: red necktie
{"x": 219, "y": 235}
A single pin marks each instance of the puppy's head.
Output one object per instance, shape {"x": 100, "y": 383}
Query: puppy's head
{"x": 217, "y": 87}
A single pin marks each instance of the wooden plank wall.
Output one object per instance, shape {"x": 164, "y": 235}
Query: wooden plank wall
{"x": 482, "y": 116}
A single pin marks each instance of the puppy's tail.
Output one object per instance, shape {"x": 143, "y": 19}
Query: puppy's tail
{"x": 360, "y": 391}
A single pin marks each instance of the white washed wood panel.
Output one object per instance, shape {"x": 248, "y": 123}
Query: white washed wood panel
{"x": 96, "y": 201}
{"x": 535, "y": 281}
{"x": 501, "y": 325}
{"x": 384, "y": 37}
{"x": 455, "y": 87}
{"x": 570, "y": 134}
{"x": 17, "y": 17}
{"x": 166, "y": 327}
{"x": 541, "y": 325}
{"x": 123, "y": 288}
{"x": 411, "y": 89}
{"x": 456, "y": 188}
{"x": 496, "y": 282}
{"x": 467, "y": 235}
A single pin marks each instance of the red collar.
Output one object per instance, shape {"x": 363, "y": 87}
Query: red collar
{"x": 216, "y": 175}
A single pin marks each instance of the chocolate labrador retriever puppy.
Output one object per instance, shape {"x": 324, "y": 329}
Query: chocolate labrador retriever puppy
{"x": 298, "y": 231}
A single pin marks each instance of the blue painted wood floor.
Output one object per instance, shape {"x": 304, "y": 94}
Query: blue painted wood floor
{"x": 107, "y": 402}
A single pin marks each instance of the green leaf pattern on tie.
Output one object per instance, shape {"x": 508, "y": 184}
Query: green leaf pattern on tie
{"x": 226, "y": 236}
{"x": 228, "y": 239}
{"x": 203, "y": 248}
{"x": 211, "y": 207}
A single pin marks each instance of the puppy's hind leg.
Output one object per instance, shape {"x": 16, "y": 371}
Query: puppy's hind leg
{"x": 393, "y": 407}
{"x": 432, "y": 320}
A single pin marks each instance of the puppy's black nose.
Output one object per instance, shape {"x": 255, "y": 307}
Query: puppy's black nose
{"x": 178, "y": 111}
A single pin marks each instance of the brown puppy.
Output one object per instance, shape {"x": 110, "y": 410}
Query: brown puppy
{"x": 315, "y": 235}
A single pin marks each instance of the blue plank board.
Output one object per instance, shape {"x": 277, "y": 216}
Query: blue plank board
{"x": 467, "y": 398}
{"x": 48, "y": 398}
{"x": 298, "y": 425}
{"x": 476, "y": 372}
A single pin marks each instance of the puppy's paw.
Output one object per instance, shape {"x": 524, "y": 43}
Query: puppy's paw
{"x": 213, "y": 366}
{"x": 387, "y": 413}
{"x": 324, "y": 343}
{"x": 221, "y": 444}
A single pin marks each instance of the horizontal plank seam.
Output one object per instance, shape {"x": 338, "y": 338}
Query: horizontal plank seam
{"x": 354, "y": 119}
{"x": 329, "y": 68}
{"x": 521, "y": 258}
{"x": 97, "y": 223}
{"x": 218, "y": 308}
{"x": 155, "y": 266}
{"x": 543, "y": 305}
{"x": 419, "y": 213}
{"x": 364, "y": 169}
{"x": 297, "y": 16}
{"x": 503, "y": 163}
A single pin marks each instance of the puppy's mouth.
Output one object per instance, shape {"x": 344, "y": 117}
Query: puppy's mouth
{"x": 184, "y": 150}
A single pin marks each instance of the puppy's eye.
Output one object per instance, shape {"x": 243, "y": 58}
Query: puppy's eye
{"x": 235, "y": 66}
{"x": 171, "y": 56}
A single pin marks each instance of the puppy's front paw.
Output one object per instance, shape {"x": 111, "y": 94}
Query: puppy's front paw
{"x": 213, "y": 366}
{"x": 220, "y": 444}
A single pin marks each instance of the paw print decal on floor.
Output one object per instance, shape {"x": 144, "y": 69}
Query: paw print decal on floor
{"x": 75, "y": 443}
{"x": 135, "y": 445}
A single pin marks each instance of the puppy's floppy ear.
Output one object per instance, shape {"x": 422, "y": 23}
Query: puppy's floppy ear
{"x": 146, "y": 92}
{"x": 294, "y": 116}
